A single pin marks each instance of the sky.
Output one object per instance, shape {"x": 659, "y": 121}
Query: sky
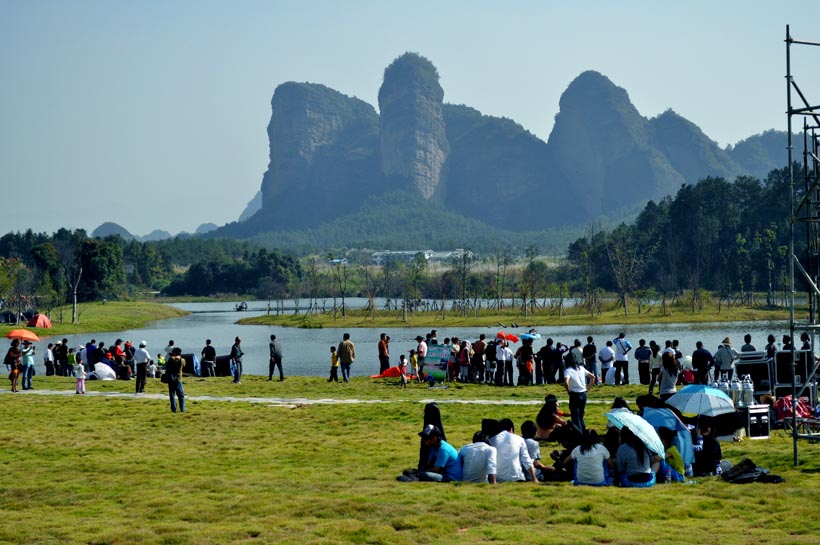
{"x": 153, "y": 113}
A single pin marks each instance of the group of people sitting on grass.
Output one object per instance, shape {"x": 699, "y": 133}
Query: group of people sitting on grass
{"x": 497, "y": 454}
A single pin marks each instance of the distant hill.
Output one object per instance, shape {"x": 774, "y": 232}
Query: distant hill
{"x": 156, "y": 234}
{"x": 111, "y": 229}
{"x": 333, "y": 156}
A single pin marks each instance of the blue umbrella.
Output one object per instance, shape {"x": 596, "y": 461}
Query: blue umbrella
{"x": 530, "y": 336}
{"x": 642, "y": 429}
{"x": 702, "y": 400}
{"x": 665, "y": 418}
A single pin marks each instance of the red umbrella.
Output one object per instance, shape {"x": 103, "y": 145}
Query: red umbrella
{"x": 507, "y": 337}
{"x": 23, "y": 335}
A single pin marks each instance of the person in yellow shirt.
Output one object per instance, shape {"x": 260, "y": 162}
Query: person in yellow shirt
{"x": 334, "y": 365}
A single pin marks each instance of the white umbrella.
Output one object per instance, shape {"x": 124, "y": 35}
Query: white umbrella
{"x": 702, "y": 400}
{"x": 642, "y": 429}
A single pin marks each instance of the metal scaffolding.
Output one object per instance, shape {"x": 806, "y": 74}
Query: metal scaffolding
{"x": 804, "y": 266}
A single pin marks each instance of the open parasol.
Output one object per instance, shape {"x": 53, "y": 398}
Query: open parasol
{"x": 642, "y": 429}
{"x": 702, "y": 400}
{"x": 23, "y": 335}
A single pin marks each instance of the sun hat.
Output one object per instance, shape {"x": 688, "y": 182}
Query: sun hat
{"x": 143, "y": 343}
{"x": 727, "y": 341}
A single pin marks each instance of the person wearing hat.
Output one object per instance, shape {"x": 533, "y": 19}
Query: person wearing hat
{"x": 236, "y": 360}
{"x": 141, "y": 358}
{"x": 443, "y": 464}
{"x": 725, "y": 358}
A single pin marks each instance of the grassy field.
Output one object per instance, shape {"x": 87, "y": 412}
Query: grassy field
{"x": 109, "y": 316}
{"x": 125, "y": 470}
{"x": 362, "y": 318}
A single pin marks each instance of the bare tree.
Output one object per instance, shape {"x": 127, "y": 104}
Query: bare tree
{"x": 68, "y": 246}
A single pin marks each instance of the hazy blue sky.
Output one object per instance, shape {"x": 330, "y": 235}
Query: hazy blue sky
{"x": 153, "y": 114}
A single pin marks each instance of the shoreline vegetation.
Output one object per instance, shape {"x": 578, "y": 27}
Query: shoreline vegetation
{"x": 515, "y": 318}
{"x": 107, "y": 316}
{"x": 123, "y": 315}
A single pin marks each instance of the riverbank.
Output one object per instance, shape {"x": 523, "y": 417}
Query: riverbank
{"x": 108, "y": 316}
{"x": 286, "y": 471}
{"x": 541, "y": 318}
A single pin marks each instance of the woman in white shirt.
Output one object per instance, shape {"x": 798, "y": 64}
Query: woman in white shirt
{"x": 591, "y": 460}
{"x": 575, "y": 381}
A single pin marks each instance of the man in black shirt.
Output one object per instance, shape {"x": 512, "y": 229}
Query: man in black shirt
{"x": 208, "y": 368}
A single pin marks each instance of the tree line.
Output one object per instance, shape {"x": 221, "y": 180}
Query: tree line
{"x": 713, "y": 238}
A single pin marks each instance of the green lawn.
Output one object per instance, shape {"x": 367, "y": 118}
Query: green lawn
{"x": 125, "y": 470}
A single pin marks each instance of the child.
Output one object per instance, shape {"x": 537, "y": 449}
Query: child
{"x": 152, "y": 369}
{"x": 160, "y": 361}
{"x": 71, "y": 361}
{"x": 334, "y": 365}
{"x": 414, "y": 365}
{"x": 528, "y": 430}
{"x": 79, "y": 369}
{"x": 403, "y": 370}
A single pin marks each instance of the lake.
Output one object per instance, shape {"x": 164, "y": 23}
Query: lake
{"x": 307, "y": 351}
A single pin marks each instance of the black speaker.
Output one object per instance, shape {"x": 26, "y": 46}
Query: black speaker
{"x": 784, "y": 370}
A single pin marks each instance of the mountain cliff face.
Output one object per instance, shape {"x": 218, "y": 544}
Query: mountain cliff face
{"x": 689, "y": 151}
{"x": 760, "y": 154}
{"x": 322, "y": 146}
{"x": 602, "y": 146}
{"x": 330, "y": 153}
{"x": 413, "y": 140}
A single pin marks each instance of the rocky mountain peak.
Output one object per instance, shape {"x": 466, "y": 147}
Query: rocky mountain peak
{"x": 413, "y": 139}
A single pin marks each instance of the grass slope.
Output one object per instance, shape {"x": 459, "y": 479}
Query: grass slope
{"x": 101, "y": 470}
{"x": 109, "y": 316}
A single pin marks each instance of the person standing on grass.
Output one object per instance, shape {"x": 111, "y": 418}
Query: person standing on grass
{"x": 334, "y": 365}
{"x": 403, "y": 370}
{"x": 642, "y": 354}
{"x": 80, "y": 371}
{"x": 48, "y": 360}
{"x": 60, "y": 355}
{"x": 414, "y": 365}
{"x": 384, "y": 353}
{"x": 575, "y": 381}
{"x": 275, "y": 358}
{"x": 208, "y": 359}
{"x": 621, "y": 346}
{"x": 141, "y": 358}
{"x": 236, "y": 360}
{"x": 347, "y": 355}
{"x": 27, "y": 354}
{"x": 590, "y": 353}
{"x": 13, "y": 363}
{"x": 174, "y": 366}
{"x": 606, "y": 355}
{"x": 421, "y": 354}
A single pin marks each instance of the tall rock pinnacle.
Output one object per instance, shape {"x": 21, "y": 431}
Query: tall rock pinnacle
{"x": 413, "y": 141}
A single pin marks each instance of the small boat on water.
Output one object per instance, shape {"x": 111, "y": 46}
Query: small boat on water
{"x": 241, "y": 307}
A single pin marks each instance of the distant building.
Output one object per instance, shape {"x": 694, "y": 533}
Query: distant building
{"x": 386, "y": 256}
